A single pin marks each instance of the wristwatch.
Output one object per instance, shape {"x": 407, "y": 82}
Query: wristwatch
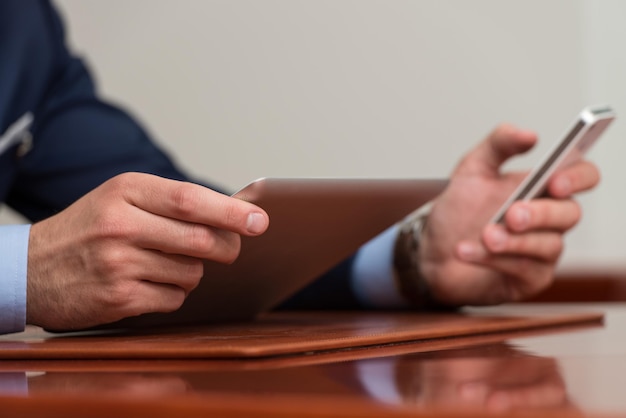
{"x": 410, "y": 282}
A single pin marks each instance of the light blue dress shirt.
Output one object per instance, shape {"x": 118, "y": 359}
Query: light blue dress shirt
{"x": 373, "y": 272}
{"x": 13, "y": 264}
{"x": 372, "y": 275}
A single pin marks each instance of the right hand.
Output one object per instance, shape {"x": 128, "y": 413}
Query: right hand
{"x": 134, "y": 245}
{"x": 468, "y": 261}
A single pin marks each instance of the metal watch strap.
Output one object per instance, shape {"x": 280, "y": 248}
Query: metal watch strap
{"x": 409, "y": 280}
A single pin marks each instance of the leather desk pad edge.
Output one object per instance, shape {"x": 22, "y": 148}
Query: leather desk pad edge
{"x": 281, "y": 333}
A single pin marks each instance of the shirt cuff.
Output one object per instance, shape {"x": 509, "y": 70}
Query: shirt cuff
{"x": 373, "y": 273}
{"x": 13, "y": 265}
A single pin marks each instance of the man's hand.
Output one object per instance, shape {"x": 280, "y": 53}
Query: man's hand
{"x": 468, "y": 261}
{"x": 131, "y": 246}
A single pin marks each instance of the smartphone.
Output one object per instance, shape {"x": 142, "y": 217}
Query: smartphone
{"x": 589, "y": 126}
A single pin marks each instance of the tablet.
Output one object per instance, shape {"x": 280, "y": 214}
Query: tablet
{"x": 314, "y": 225}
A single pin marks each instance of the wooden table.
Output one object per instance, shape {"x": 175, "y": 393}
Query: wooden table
{"x": 557, "y": 372}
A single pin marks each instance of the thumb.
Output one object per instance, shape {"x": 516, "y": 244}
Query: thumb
{"x": 501, "y": 144}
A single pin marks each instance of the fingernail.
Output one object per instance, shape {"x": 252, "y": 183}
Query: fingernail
{"x": 497, "y": 239}
{"x": 256, "y": 223}
{"x": 521, "y": 217}
{"x": 468, "y": 251}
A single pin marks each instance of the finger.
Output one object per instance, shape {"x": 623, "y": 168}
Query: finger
{"x": 543, "y": 214}
{"x": 546, "y": 394}
{"x": 184, "y": 238}
{"x": 521, "y": 276}
{"x": 576, "y": 178}
{"x": 503, "y": 142}
{"x": 542, "y": 245}
{"x": 191, "y": 202}
{"x": 172, "y": 269}
{"x": 155, "y": 297}
{"x": 143, "y": 281}
{"x": 125, "y": 266}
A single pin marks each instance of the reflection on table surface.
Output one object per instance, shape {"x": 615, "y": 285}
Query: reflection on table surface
{"x": 566, "y": 371}
{"x": 497, "y": 377}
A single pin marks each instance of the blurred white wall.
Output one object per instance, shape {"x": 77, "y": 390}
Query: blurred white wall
{"x": 238, "y": 89}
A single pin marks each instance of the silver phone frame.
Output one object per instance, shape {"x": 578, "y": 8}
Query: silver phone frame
{"x": 588, "y": 127}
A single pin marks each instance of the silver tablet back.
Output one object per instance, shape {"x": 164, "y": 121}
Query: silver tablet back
{"x": 314, "y": 225}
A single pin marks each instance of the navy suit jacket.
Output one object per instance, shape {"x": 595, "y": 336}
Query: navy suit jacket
{"x": 79, "y": 141}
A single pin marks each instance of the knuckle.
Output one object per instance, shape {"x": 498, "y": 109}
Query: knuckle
{"x": 186, "y": 200}
{"x": 218, "y": 245}
{"x": 231, "y": 214}
{"x": 200, "y": 239}
{"x": 597, "y": 175}
{"x": 110, "y": 263}
{"x": 121, "y": 182}
{"x": 587, "y": 176}
{"x": 196, "y": 270}
{"x": 110, "y": 221}
{"x": 560, "y": 214}
{"x": 192, "y": 274}
{"x": 122, "y": 295}
{"x": 577, "y": 213}
{"x": 233, "y": 250}
{"x": 542, "y": 214}
{"x": 557, "y": 248}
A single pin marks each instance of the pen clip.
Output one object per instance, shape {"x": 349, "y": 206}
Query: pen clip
{"x": 18, "y": 132}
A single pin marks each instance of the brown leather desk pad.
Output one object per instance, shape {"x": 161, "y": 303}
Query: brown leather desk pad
{"x": 282, "y": 333}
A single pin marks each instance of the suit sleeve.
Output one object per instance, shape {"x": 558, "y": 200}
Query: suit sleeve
{"x": 79, "y": 141}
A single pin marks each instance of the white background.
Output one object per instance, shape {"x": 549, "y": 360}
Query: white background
{"x": 237, "y": 90}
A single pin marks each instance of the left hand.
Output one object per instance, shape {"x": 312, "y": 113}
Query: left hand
{"x": 465, "y": 259}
